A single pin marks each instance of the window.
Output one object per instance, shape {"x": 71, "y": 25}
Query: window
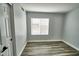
{"x": 39, "y": 26}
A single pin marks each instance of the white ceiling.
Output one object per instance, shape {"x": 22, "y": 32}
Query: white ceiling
{"x": 50, "y": 7}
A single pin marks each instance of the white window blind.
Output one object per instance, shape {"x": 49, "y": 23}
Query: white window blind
{"x": 39, "y": 26}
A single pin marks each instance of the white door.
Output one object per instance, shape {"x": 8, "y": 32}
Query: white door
{"x": 8, "y": 30}
{"x": 5, "y": 30}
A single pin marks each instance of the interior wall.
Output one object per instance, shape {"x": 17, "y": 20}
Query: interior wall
{"x": 55, "y": 25}
{"x": 71, "y": 28}
{"x": 20, "y": 28}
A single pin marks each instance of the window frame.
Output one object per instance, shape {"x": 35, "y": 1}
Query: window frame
{"x": 40, "y": 33}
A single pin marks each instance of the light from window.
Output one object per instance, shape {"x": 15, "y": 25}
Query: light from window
{"x": 39, "y": 26}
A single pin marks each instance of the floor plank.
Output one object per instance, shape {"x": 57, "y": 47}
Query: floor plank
{"x": 57, "y": 48}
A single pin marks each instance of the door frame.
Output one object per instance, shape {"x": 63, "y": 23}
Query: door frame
{"x": 12, "y": 28}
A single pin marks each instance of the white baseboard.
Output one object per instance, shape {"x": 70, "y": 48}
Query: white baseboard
{"x": 22, "y": 49}
{"x": 71, "y": 45}
{"x": 44, "y": 40}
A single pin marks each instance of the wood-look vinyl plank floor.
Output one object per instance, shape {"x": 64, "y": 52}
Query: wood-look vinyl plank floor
{"x": 57, "y": 48}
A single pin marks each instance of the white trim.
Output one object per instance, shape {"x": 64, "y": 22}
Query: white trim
{"x": 22, "y": 49}
{"x": 71, "y": 45}
{"x": 44, "y": 40}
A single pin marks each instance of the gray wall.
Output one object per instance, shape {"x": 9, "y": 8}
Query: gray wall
{"x": 71, "y": 28}
{"x": 20, "y": 28}
{"x": 55, "y": 25}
